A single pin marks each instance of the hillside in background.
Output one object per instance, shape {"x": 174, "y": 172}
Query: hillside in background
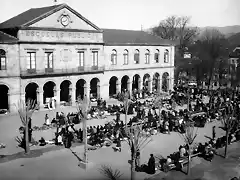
{"x": 226, "y": 30}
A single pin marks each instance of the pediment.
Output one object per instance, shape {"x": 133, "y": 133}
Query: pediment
{"x": 64, "y": 18}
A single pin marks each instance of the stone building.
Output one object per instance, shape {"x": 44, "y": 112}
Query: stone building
{"x": 55, "y": 52}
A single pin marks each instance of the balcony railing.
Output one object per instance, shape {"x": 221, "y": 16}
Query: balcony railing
{"x": 63, "y": 71}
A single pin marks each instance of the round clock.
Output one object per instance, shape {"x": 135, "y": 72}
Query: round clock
{"x": 64, "y": 20}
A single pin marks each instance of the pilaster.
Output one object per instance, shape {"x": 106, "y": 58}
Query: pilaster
{"x": 72, "y": 92}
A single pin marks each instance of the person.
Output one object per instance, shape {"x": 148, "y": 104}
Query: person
{"x": 137, "y": 160}
{"x": 47, "y": 121}
{"x": 151, "y": 164}
{"x": 30, "y": 129}
{"x": 169, "y": 160}
{"x": 118, "y": 146}
{"x": 182, "y": 151}
{"x": 213, "y": 132}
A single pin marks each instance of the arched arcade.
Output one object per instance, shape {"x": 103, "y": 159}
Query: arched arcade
{"x": 4, "y": 102}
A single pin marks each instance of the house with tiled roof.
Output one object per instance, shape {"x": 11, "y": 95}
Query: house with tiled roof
{"x": 54, "y": 55}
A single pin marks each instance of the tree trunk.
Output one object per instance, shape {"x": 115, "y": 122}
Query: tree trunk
{"x": 189, "y": 163}
{"x": 126, "y": 120}
{"x": 85, "y": 139}
{"x": 27, "y": 148}
{"x": 159, "y": 110}
{"x": 226, "y": 145}
{"x": 133, "y": 168}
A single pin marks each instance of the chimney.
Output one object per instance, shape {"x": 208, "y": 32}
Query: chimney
{"x": 55, "y": 2}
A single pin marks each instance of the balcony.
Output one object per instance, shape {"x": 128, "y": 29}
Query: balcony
{"x": 62, "y": 72}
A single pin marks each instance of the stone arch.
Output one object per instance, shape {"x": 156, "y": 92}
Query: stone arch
{"x": 165, "y": 82}
{"x": 95, "y": 88}
{"x": 4, "y": 103}
{"x": 49, "y": 90}
{"x": 32, "y": 92}
{"x": 80, "y": 89}
{"x": 147, "y": 82}
{"x": 125, "y": 83}
{"x": 136, "y": 82}
{"x": 156, "y": 82}
{"x": 113, "y": 86}
{"x": 66, "y": 91}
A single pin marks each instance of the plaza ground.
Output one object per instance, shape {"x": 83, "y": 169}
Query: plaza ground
{"x": 61, "y": 163}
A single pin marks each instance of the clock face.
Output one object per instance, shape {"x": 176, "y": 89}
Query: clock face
{"x": 65, "y": 20}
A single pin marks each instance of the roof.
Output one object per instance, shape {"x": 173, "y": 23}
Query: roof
{"x": 118, "y": 37}
{"x": 5, "y": 38}
{"x": 26, "y": 17}
{"x": 33, "y": 15}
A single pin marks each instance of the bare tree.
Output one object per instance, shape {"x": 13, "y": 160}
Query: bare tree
{"x": 126, "y": 103}
{"x": 189, "y": 138}
{"x": 109, "y": 173}
{"x": 25, "y": 111}
{"x": 176, "y": 28}
{"x": 210, "y": 48}
{"x": 228, "y": 123}
{"x": 83, "y": 108}
{"x": 136, "y": 140}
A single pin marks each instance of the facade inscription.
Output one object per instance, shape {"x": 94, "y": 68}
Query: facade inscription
{"x": 38, "y": 35}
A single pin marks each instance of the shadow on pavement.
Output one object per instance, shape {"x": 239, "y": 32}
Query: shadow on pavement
{"x": 34, "y": 153}
{"x": 74, "y": 153}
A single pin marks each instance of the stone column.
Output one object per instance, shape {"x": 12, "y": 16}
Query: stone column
{"x": 129, "y": 87}
{"x": 118, "y": 87}
{"x": 140, "y": 85}
{"x": 150, "y": 85}
{"x": 87, "y": 90}
{"x": 57, "y": 96}
{"x": 72, "y": 92}
{"x": 160, "y": 84}
{"x": 98, "y": 91}
{"x": 40, "y": 99}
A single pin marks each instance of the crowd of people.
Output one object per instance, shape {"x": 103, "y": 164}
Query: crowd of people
{"x": 222, "y": 103}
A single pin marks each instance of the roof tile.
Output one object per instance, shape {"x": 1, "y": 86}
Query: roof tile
{"x": 117, "y": 36}
{"x": 26, "y": 16}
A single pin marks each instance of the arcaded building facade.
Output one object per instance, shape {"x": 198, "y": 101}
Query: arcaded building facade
{"x": 56, "y": 52}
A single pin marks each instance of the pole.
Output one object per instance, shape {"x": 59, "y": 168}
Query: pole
{"x": 85, "y": 139}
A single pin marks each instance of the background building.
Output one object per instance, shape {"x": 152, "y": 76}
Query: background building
{"x": 56, "y": 52}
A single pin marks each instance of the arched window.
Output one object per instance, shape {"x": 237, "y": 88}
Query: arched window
{"x": 156, "y": 56}
{"x": 166, "y": 56}
{"x": 125, "y": 57}
{"x": 147, "y": 57}
{"x": 136, "y": 57}
{"x": 114, "y": 57}
{"x": 3, "y": 59}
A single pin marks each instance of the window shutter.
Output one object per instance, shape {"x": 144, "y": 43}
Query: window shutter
{"x": 137, "y": 58}
{"x": 112, "y": 59}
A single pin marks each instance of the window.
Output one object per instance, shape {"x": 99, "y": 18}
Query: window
{"x": 166, "y": 56}
{"x": 125, "y": 57}
{"x": 147, "y": 57}
{"x": 81, "y": 57}
{"x": 156, "y": 56}
{"x": 114, "y": 57}
{"x": 136, "y": 57}
{"x": 48, "y": 60}
{"x": 3, "y": 59}
{"x": 95, "y": 58}
{"x": 31, "y": 60}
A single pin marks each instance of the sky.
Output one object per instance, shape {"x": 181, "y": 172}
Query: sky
{"x": 132, "y": 14}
